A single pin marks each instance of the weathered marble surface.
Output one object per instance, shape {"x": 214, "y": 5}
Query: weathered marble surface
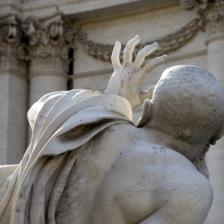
{"x": 88, "y": 162}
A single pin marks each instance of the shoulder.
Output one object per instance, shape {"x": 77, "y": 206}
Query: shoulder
{"x": 155, "y": 165}
{"x": 145, "y": 176}
{"x": 148, "y": 154}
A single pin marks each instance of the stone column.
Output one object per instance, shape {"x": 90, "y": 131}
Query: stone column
{"x": 215, "y": 62}
{"x": 46, "y": 74}
{"x": 48, "y": 50}
{"x": 13, "y": 93}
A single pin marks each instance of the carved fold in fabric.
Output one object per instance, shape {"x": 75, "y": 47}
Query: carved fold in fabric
{"x": 62, "y": 123}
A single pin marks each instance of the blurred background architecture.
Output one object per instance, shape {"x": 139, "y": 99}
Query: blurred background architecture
{"x": 50, "y": 45}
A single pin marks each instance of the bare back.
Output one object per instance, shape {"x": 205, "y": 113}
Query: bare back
{"x": 108, "y": 182}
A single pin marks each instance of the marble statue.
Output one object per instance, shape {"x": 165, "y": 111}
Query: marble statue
{"x": 88, "y": 162}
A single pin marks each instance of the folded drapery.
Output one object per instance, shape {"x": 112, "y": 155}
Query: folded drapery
{"x": 62, "y": 123}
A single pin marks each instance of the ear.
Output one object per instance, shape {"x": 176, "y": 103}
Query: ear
{"x": 217, "y": 136}
{"x": 146, "y": 113}
{"x": 221, "y": 132}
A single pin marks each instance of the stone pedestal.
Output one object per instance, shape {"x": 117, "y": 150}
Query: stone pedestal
{"x": 215, "y": 61}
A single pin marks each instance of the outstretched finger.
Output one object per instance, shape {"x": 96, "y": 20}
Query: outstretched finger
{"x": 129, "y": 49}
{"x": 115, "y": 57}
{"x": 153, "y": 63}
{"x": 143, "y": 53}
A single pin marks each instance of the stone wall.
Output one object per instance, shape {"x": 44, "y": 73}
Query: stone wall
{"x": 151, "y": 25}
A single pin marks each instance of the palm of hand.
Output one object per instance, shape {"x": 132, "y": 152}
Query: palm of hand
{"x": 126, "y": 78}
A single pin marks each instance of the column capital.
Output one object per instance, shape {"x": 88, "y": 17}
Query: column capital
{"x": 47, "y": 43}
{"x": 11, "y": 51}
{"x": 215, "y": 21}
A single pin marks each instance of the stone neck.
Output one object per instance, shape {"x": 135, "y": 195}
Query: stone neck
{"x": 156, "y": 136}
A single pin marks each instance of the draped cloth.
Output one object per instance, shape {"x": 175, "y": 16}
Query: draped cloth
{"x": 62, "y": 124}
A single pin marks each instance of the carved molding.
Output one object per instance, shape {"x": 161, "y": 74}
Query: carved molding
{"x": 9, "y": 29}
{"x": 44, "y": 42}
{"x": 187, "y": 4}
{"x": 169, "y": 43}
{"x": 10, "y": 46}
{"x": 47, "y": 43}
{"x": 215, "y": 21}
{"x": 48, "y": 37}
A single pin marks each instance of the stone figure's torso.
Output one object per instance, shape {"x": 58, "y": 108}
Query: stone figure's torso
{"x": 111, "y": 180}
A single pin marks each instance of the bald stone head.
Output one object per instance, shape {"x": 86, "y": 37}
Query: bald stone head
{"x": 188, "y": 103}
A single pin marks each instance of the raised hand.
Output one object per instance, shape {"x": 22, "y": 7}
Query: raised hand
{"x": 128, "y": 76}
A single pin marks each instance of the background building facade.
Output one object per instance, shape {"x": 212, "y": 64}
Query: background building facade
{"x": 50, "y": 45}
